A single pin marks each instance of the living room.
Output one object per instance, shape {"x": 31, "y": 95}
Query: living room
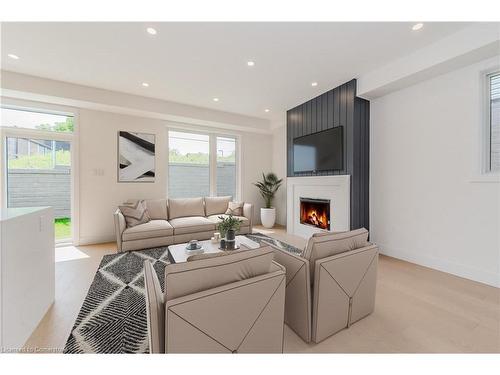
{"x": 340, "y": 197}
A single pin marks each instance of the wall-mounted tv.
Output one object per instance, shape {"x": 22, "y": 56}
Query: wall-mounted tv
{"x": 321, "y": 151}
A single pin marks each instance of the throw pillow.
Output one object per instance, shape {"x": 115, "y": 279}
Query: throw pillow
{"x": 135, "y": 213}
{"x": 235, "y": 209}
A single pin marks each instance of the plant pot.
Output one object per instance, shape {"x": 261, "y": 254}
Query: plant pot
{"x": 268, "y": 217}
{"x": 230, "y": 235}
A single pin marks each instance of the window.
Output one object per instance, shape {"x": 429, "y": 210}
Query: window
{"x": 226, "y": 166}
{"x": 38, "y": 163}
{"x": 189, "y": 165}
{"x": 494, "y": 121}
{"x": 193, "y": 169}
{"x": 14, "y": 118}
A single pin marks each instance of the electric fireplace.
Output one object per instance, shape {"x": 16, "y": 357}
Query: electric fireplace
{"x": 315, "y": 212}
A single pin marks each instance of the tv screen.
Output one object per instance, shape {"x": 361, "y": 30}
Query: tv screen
{"x": 322, "y": 151}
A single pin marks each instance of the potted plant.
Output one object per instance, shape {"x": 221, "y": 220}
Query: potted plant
{"x": 268, "y": 188}
{"x": 228, "y": 227}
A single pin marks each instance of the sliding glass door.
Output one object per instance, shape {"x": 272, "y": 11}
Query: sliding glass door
{"x": 38, "y": 164}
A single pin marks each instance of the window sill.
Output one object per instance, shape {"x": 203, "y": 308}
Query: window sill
{"x": 486, "y": 178}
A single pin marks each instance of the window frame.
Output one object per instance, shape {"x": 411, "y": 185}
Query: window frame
{"x": 487, "y": 126}
{"x": 212, "y": 136}
{"x": 71, "y": 137}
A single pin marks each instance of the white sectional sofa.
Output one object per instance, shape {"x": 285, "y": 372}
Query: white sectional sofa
{"x": 176, "y": 221}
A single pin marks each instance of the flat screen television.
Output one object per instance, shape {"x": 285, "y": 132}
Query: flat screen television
{"x": 321, "y": 151}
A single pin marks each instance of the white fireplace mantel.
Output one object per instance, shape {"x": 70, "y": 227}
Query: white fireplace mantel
{"x": 334, "y": 188}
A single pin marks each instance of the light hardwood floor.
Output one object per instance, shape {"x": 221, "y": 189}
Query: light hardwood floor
{"x": 418, "y": 310}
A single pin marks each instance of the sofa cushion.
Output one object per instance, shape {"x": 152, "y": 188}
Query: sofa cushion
{"x": 235, "y": 208}
{"x": 216, "y": 205}
{"x": 325, "y": 245}
{"x": 191, "y": 277}
{"x": 157, "y": 209}
{"x": 244, "y": 222}
{"x": 134, "y": 212}
{"x": 193, "y": 224}
{"x": 185, "y": 207}
{"x": 151, "y": 229}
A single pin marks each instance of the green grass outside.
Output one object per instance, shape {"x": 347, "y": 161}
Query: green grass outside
{"x": 40, "y": 161}
{"x": 62, "y": 228}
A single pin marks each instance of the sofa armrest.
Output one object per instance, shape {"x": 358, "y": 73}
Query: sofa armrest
{"x": 248, "y": 213}
{"x": 298, "y": 292}
{"x": 344, "y": 290}
{"x": 120, "y": 226}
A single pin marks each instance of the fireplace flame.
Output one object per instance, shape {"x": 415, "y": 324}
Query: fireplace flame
{"x": 315, "y": 214}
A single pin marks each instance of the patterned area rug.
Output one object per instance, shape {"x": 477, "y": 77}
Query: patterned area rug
{"x": 113, "y": 315}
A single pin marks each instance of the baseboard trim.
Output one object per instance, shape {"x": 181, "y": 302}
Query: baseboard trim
{"x": 93, "y": 240}
{"x": 457, "y": 269}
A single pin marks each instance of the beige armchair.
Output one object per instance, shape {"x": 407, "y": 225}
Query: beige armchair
{"x": 340, "y": 270}
{"x": 223, "y": 303}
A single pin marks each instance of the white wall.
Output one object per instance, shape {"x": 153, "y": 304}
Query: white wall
{"x": 102, "y": 113}
{"x": 279, "y": 167}
{"x": 426, "y": 203}
{"x": 101, "y": 194}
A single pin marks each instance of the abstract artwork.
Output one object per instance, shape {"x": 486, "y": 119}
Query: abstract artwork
{"x": 136, "y": 157}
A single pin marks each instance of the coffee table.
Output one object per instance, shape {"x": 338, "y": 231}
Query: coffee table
{"x": 178, "y": 253}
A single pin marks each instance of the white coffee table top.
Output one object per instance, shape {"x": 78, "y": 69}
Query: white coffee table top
{"x": 179, "y": 253}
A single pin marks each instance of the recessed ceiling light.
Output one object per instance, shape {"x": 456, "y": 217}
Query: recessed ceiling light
{"x": 250, "y": 63}
{"x": 266, "y": 110}
{"x": 151, "y": 31}
{"x": 145, "y": 84}
{"x": 12, "y": 56}
{"x": 417, "y": 26}
{"x": 314, "y": 84}
{"x": 215, "y": 99}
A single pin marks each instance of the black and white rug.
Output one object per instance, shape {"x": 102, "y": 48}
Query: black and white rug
{"x": 113, "y": 315}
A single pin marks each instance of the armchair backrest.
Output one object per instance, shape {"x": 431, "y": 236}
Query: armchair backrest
{"x": 322, "y": 245}
{"x": 195, "y": 276}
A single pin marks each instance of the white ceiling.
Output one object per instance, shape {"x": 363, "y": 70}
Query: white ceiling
{"x": 192, "y": 63}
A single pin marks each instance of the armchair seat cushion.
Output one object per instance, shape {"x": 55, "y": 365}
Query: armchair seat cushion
{"x": 215, "y": 219}
{"x": 151, "y": 229}
{"x": 193, "y": 224}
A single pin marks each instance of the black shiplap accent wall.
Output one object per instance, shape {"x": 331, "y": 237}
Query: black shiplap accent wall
{"x": 338, "y": 107}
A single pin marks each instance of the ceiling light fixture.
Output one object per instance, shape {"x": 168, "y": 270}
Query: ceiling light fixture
{"x": 266, "y": 110}
{"x": 12, "y": 56}
{"x": 250, "y": 63}
{"x": 151, "y": 31}
{"x": 145, "y": 84}
{"x": 215, "y": 99}
{"x": 314, "y": 84}
{"x": 417, "y": 26}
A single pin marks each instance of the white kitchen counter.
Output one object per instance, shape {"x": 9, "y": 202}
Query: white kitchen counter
{"x": 27, "y": 285}
{"x": 11, "y": 213}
